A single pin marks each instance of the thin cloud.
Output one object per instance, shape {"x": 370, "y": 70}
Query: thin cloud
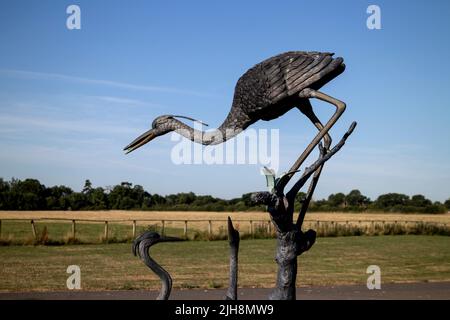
{"x": 120, "y": 100}
{"x": 125, "y": 101}
{"x": 62, "y": 77}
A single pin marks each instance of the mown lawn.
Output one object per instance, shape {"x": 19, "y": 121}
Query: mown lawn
{"x": 204, "y": 264}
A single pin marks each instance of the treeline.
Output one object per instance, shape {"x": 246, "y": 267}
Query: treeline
{"x": 30, "y": 194}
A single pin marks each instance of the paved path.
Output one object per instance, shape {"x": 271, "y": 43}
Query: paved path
{"x": 404, "y": 291}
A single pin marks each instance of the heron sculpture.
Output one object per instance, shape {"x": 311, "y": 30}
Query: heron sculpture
{"x": 265, "y": 92}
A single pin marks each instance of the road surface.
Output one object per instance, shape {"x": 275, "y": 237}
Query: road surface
{"x": 403, "y": 291}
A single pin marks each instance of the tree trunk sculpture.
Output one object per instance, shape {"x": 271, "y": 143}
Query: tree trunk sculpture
{"x": 291, "y": 240}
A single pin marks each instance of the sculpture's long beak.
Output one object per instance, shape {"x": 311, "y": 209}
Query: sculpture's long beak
{"x": 140, "y": 141}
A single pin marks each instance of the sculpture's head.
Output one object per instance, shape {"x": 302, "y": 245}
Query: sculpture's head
{"x": 149, "y": 238}
{"x": 160, "y": 126}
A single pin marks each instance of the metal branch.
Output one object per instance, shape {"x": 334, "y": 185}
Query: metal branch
{"x": 233, "y": 237}
{"x": 322, "y": 159}
{"x": 291, "y": 241}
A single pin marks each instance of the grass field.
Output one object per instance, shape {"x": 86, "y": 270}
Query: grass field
{"x": 204, "y": 264}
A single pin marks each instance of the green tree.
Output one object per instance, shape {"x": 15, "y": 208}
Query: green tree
{"x": 390, "y": 200}
{"x": 336, "y": 200}
{"x": 126, "y": 197}
{"x": 4, "y": 194}
{"x": 87, "y": 187}
{"x": 98, "y": 199}
{"x": 356, "y": 199}
{"x": 27, "y": 195}
{"x": 78, "y": 201}
{"x": 186, "y": 198}
{"x": 419, "y": 200}
{"x": 57, "y": 197}
{"x": 300, "y": 197}
{"x": 447, "y": 203}
{"x": 157, "y": 199}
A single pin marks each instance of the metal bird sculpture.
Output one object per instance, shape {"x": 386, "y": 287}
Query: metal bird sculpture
{"x": 141, "y": 246}
{"x": 265, "y": 92}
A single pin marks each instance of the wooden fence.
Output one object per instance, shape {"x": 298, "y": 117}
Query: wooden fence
{"x": 251, "y": 224}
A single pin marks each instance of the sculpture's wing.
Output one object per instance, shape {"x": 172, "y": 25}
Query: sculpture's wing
{"x": 291, "y": 72}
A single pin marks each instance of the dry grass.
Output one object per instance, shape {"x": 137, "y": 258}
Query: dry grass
{"x": 120, "y": 214}
{"x": 353, "y": 218}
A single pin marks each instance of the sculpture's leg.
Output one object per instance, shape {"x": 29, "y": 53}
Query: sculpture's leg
{"x": 340, "y": 108}
{"x": 307, "y": 110}
{"x": 233, "y": 237}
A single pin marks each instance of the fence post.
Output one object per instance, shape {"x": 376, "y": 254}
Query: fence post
{"x": 185, "y": 229}
{"x": 209, "y": 227}
{"x": 251, "y": 228}
{"x": 269, "y": 229}
{"x": 0, "y": 229}
{"x": 134, "y": 229}
{"x": 73, "y": 229}
{"x": 163, "y": 227}
{"x": 105, "y": 236}
{"x": 33, "y": 229}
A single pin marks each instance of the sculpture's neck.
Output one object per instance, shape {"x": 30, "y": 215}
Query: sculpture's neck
{"x": 227, "y": 130}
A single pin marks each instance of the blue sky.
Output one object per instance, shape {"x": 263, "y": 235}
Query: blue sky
{"x": 70, "y": 100}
